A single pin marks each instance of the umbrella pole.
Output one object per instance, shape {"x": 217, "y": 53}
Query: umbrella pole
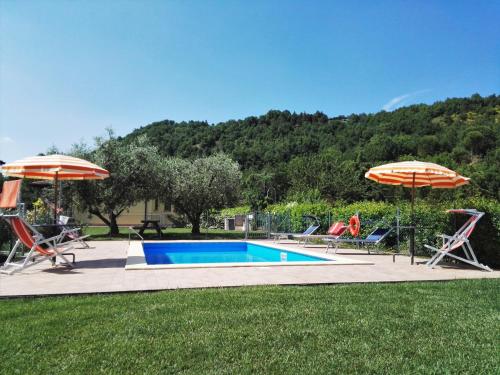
{"x": 412, "y": 230}
{"x": 55, "y": 197}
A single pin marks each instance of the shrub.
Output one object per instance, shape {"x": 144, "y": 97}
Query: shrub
{"x": 231, "y": 212}
{"x": 430, "y": 218}
{"x": 40, "y": 213}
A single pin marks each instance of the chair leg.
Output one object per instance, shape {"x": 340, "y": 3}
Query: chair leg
{"x": 471, "y": 252}
{"x": 466, "y": 252}
{"x": 66, "y": 260}
{"x": 431, "y": 262}
{"x": 442, "y": 253}
{"x": 13, "y": 252}
{"x": 476, "y": 264}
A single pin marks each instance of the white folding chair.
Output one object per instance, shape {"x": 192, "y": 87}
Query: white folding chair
{"x": 73, "y": 233}
{"x": 460, "y": 240}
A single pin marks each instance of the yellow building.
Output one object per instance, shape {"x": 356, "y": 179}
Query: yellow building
{"x": 133, "y": 215}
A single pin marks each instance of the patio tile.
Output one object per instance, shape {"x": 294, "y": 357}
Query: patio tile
{"x": 101, "y": 269}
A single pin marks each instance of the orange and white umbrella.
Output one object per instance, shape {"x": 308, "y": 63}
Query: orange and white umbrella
{"x": 415, "y": 174}
{"x": 56, "y": 168}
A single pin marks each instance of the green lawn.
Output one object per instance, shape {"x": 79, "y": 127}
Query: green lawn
{"x": 447, "y": 327}
{"x": 100, "y": 233}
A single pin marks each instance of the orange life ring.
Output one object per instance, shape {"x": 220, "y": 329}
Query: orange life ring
{"x": 354, "y": 225}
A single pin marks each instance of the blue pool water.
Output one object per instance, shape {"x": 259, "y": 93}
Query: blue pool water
{"x": 219, "y": 252}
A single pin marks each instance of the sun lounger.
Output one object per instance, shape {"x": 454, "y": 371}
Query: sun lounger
{"x": 39, "y": 247}
{"x": 277, "y": 236}
{"x": 336, "y": 230}
{"x": 373, "y": 239}
{"x": 460, "y": 240}
{"x": 73, "y": 233}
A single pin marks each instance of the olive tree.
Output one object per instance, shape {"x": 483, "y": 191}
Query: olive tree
{"x": 135, "y": 174}
{"x": 196, "y": 186}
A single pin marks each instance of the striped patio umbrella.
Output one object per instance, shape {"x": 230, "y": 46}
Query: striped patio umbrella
{"x": 415, "y": 174}
{"x": 55, "y": 168}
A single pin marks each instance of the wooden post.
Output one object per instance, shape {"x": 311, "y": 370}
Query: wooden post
{"x": 412, "y": 229}
{"x": 55, "y": 196}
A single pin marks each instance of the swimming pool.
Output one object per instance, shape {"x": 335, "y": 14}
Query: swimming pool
{"x": 219, "y": 252}
{"x": 230, "y": 253}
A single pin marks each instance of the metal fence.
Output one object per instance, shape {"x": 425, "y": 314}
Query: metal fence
{"x": 260, "y": 225}
{"x": 257, "y": 225}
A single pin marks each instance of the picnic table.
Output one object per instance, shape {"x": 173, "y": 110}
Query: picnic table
{"x": 153, "y": 224}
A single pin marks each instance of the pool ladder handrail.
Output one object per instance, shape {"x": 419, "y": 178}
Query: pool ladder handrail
{"x": 132, "y": 230}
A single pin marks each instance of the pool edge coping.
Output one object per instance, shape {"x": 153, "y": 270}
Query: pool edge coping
{"x": 136, "y": 259}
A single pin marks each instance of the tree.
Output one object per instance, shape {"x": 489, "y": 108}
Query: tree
{"x": 202, "y": 184}
{"x": 267, "y": 145}
{"x": 480, "y": 140}
{"x": 135, "y": 174}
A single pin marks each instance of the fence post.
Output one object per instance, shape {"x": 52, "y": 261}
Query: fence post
{"x": 207, "y": 224}
{"x": 268, "y": 225}
{"x": 289, "y": 219}
{"x": 245, "y": 224}
{"x": 397, "y": 229}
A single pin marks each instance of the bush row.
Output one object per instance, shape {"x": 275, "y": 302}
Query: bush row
{"x": 431, "y": 219}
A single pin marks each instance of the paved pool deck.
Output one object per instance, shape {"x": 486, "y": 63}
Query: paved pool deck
{"x": 101, "y": 269}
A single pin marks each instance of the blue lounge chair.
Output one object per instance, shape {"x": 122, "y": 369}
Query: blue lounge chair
{"x": 373, "y": 239}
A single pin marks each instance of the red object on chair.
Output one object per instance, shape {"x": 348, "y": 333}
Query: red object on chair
{"x": 336, "y": 229}
{"x": 10, "y": 194}
{"x": 26, "y": 237}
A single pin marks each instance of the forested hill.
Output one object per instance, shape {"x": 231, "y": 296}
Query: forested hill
{"x": 283, "y": 153}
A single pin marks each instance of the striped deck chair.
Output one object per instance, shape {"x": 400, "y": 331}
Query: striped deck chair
{"x": 460, "y": 240}
{"x": 39, "y": 247}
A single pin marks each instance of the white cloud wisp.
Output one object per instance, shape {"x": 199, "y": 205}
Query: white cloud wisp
{"x": 398, "y": 100}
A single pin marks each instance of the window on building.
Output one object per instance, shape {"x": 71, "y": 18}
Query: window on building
{"x": 168, "y": 206}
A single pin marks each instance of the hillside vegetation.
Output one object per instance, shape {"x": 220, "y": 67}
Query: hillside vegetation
{"x": 310, "y": 156}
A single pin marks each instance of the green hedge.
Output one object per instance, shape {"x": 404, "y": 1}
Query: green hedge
{"x": 431, "y": 219}
{"x": 231, "y": 212}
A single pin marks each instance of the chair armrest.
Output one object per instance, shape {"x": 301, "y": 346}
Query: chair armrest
{"x": 444, "y": 236}
{"x": 50, "y": 239}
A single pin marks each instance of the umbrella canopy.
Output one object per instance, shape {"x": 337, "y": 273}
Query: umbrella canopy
{"x": 52, "y": 167}
{"x": 56, "y": 168}
{"x": 413, "y": 174}
{"x": 416, "y": 174}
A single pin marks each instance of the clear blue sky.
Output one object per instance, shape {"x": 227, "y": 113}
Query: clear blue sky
{"x": 69, "y": 69}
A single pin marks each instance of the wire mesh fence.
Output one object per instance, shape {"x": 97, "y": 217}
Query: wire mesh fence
{"x": 260, "y": 225}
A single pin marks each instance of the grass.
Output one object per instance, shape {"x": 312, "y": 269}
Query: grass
{"x": 100, "y": 233}
{"x": 443, "y": 328}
